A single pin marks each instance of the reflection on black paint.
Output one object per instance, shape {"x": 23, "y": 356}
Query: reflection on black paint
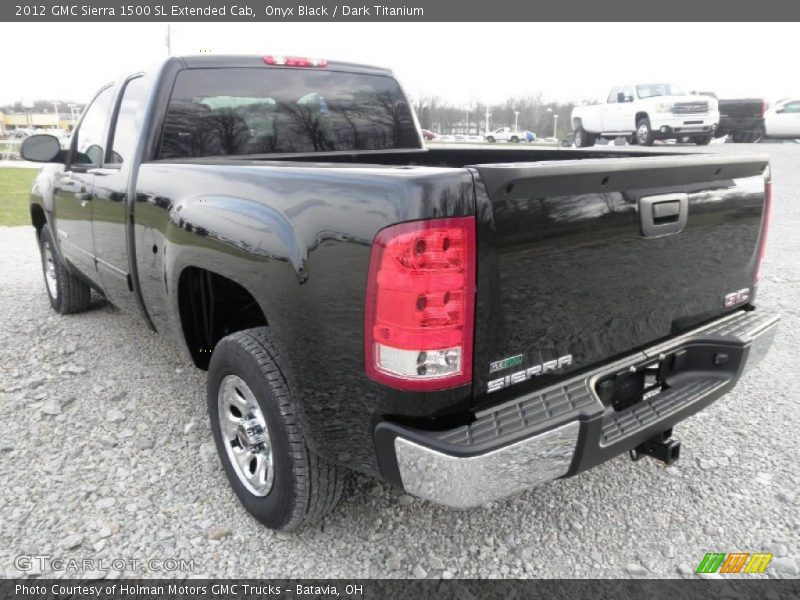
{"x": 256, "y": 111}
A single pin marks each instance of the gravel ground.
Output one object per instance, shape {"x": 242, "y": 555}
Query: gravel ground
{"x": 107, "y": 453}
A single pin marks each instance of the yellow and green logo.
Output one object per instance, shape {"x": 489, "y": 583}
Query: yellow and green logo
{"x": 735, "y": 562}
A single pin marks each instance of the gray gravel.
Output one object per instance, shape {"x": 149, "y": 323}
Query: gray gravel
{"x": 106, "y": 453}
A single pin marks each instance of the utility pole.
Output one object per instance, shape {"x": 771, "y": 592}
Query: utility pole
{"x": 55, "y": 106}
{"x": 555, "y": 125}
{"x": 488, "y": 114}
{"x": 169, "y": 41}
{"x": 516, "y": 120}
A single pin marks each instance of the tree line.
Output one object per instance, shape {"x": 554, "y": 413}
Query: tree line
{"x": 535, "y": 115}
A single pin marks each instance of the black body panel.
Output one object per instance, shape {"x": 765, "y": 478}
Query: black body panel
{"x": 562, "y": 264}
{"x": 564, "y": 268}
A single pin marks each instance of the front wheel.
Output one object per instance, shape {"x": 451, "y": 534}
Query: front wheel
{"x": 583, "y": 138}
{"x": 67, "y": 293}
{"x": 490, "y": 139}
{"x": 644, "y": 133}
{"x": 258, "y": 438}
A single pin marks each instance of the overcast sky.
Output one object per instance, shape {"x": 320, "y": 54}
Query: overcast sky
{"x": 457, "y": 61}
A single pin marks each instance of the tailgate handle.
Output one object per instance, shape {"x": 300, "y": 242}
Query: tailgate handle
{"x": 664, "y": 214}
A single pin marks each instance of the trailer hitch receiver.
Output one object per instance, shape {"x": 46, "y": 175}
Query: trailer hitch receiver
{"x": 661, "y": 447}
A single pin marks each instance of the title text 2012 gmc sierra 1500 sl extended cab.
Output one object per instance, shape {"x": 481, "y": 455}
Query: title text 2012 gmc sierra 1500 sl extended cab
{"x": 464, "y": 324}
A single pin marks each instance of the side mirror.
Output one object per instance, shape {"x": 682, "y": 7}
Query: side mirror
{"x": 780, "y": 111}
{"x": 40, "y": 148}
{"x": 621, "y": 97}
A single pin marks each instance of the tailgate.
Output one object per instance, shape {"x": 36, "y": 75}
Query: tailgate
{"x": 581, "y": 261}
{"x": 741, "y": 109}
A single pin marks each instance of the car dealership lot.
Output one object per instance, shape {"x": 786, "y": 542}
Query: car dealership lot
{"x": 107, "y": 454}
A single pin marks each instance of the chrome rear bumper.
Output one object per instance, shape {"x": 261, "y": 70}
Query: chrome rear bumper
{"x": 563, "y": 429}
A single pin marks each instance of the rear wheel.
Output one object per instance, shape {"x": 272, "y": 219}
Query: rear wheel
{"x": 583, "y": 138}
{"x": 758, "y": 135}
{"x": 258, "y": 438}
{"x": 67, "y": 293}
{"x": 490, "y": 139}
{"x": 514, "y": 139}
{"x": 644, "y": 133}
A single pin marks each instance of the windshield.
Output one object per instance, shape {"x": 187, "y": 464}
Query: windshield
{"x": 658, "y": 89}
{"x": 241, "y": 111}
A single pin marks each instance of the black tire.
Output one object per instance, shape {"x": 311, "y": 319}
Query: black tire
{"x": 304, "y": 487}
{"x": 490, "y": 139}
{"x": 758, "y": 135}
{"x": 740, "y": 137}
{"x": 67, "y": 293}
{"x": 703, "y": 140}
{"x": 644, "y": 133}
{"x": 583, "y": 139}
{"x": 514, "y": 139}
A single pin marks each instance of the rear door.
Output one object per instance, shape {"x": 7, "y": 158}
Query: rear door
{"x": 111, "y": 194}
{"x": 74, "y": 187}
{"x": 582, "y": 261}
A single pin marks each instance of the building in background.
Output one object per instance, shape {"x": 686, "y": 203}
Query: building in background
{"x": 10, "y": 121}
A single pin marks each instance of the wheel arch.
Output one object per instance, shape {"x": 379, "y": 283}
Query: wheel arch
{"x": 210, "y": 307}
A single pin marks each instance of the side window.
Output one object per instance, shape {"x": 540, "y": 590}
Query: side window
{"x": 792, "y": 107}
{"x": 612, "y": 97}
{"x": 129, "y": 121}
{"x": 89, "y": 144}
{"x": 628, "y": 91}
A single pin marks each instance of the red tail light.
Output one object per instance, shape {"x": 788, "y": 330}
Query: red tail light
{"x": 763, "y": 108}
{"x": 420, "y": 307}
{"x": 295, "y": 61}
{"x": 762, "y": 242}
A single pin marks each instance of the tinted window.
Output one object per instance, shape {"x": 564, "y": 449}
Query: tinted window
{"x": 129, "y": 120}
{"x": 792, "y": 107}
{"x": 612, "y": 96}
{"x": 232, "y": 111}
{"x": 90, "y": 144}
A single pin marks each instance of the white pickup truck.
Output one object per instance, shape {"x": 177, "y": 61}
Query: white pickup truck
{"x": 508, "y": 134}
{"x": 644, "y": 113}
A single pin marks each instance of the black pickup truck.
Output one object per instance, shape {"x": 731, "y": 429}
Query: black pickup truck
{"x": 740, "y": 118}
{"x": 462, "y": 323}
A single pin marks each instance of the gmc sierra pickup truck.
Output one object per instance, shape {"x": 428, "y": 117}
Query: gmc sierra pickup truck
{"x": 461, "y": 323}
{"x": 644, "y": 113}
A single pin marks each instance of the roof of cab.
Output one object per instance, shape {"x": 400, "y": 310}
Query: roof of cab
{"x": 211, "y": 61}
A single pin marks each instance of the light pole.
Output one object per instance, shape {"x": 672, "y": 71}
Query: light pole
{"x": 555, "y": 122}
{"x": 488, "y": 114}
{"x": 516, "y": 120}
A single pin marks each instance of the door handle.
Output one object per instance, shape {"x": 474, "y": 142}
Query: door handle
{"x": 663, "y": 214}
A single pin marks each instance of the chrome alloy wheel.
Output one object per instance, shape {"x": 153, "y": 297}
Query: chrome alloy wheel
{"x": 49, "y": 270}
{"x": 245, "y": 435}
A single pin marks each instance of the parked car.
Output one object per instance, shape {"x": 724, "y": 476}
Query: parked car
{"x": 647, "y": 112}
{"x": 20, "y": 133}
{"x": 782, "y": 120}
{"x": 461, "y": 323}
{"x": 428, "y": 134}
{"x": 505, "y": 134}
